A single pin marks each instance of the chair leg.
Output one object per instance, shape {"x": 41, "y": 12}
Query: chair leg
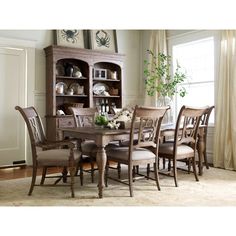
{"x": 169, "y": 165}
{"x": 205, "y": 160}
{"x": 43, "y": 175}
{"x": 72, "y": 177}
{"x": 130, "y": 174}
{"x": 106, "y": 174}
{"x": 34, "y": 174}
{"x": 175, "y": 172}
{"x": 133, "y": 173}
{"x": 81, "y": 174}
{"x": 155, "y": 165}
{"x": 92, "y": 171}
{"x": 77, "y": 168}
{"x": 64, "y": 174}
{"x": 194, "y": 168}
{"x": 119, "y": 170}
{"x": 189, "y": 166}
{"x": 148, "y": 170}
{"x": 164, "y": 163}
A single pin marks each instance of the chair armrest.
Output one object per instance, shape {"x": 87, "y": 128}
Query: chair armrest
{"x": 55, "y": 144}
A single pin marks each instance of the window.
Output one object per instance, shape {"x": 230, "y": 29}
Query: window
{"x": 196, "y": 55}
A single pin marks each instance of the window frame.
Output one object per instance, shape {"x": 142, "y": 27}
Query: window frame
{"x": 194, "y": 36}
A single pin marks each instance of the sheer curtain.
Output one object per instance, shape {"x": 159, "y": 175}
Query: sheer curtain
{"x": 157, "y": 44}
{"x": 225, "y": 123}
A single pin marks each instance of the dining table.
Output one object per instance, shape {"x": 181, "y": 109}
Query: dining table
{"x": 103, "y": 136}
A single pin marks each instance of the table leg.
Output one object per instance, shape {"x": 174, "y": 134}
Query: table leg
{"x": 101, "y": 160}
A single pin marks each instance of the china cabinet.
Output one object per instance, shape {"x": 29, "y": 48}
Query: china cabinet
{"x": 82, "y": 78}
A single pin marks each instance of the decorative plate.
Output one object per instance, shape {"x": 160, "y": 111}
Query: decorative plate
{"x": 77, "y": 89}
{"x": 100, "y": 88}
{"x": 61, "y": 88}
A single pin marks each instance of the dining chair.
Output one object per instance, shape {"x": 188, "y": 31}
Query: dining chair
{"x": 184, "y": 145}
{"x": 47, "y": 154}
{"x": 204, "y": 122}
{"x": 84, "y": 117}
{"x": 145, "y": 129}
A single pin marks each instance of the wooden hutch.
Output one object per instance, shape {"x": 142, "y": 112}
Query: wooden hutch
{"x": 80, "y": 77}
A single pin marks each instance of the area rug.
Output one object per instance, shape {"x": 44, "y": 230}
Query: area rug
{"x": 217, "y": 187}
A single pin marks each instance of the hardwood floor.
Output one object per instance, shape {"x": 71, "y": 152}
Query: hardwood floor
{"x": 22, "y": 172}
{"x": 19, "y": 172}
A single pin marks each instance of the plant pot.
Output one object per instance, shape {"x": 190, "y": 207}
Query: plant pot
{"x": 166, "y": 101}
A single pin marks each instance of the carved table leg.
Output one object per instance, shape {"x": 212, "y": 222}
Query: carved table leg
{"x": 101, "y": 159}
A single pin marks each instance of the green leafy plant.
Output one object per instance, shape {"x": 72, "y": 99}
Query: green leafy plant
{"x": 101, "y": 120}
{"x": 159, "y": 79}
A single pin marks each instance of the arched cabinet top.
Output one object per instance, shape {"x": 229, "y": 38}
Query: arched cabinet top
{"x": 87, "y": 55}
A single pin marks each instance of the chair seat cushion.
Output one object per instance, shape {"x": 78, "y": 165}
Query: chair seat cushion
{"x": 88, "y": 146}
{"x": 168, "y": 149}
{"x": 56, "y": 157}
{"x": 126, "y": 143}
{"x": 122, "y": 153}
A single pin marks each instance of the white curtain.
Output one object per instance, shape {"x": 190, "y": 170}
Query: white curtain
{"x": 225, "y": 125}
{"x": 157, "y": 45}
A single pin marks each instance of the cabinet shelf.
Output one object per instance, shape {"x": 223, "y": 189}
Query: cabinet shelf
{"x": 70, "y": 78}
{"x": 107, "y": 80}
{"x": 65, "y": 95}
{"x": 106, "y": 96}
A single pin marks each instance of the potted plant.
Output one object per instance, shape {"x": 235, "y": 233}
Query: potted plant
{"x": 159, "y": 79}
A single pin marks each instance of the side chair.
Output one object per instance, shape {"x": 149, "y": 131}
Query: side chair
{"x": 48, "y": 154}
{"x": 184, "y": 145}
{"x": 145, "y": 130}
{"x": 84, "y": 117}
{"x": 204, "y": 122}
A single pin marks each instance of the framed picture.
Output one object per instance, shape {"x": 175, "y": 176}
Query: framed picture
{"x": 70, "y": 38}
{"x": 103, "y": 40}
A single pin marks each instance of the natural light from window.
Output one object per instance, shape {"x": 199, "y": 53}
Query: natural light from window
{"x": 197, "y": 58}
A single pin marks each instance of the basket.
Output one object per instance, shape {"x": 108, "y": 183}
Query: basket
{"x": 67, "y": 105}
{"x": 114, "y": 91}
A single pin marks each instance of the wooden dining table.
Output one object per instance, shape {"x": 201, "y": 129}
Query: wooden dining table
{"x": 102, "y": 136}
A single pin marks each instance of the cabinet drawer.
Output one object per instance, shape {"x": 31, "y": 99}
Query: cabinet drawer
{"x": 66, "y": 122}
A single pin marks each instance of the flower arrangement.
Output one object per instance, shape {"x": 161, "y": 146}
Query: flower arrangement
{"x": 101, "y": 120}
{"x": 125, "y": 115}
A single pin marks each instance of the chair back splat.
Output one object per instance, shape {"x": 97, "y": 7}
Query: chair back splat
{"x": 145, "y": 128}
{"x": 84, "y": 117}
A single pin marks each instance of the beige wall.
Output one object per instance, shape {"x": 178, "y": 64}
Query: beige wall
{"x": 128, "y": 43}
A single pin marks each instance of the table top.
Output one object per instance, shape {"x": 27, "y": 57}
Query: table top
{"x": 95, "y": 130}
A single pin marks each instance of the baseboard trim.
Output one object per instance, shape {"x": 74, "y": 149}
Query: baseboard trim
{"x": 13, "y": 166}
